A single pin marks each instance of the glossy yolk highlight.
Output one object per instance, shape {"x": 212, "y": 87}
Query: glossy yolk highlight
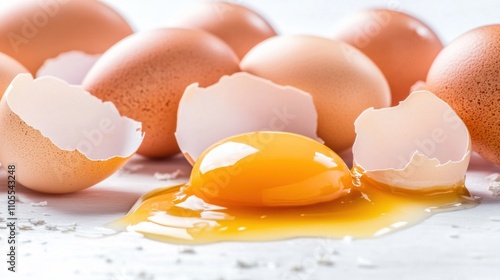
{"x": 271, "y": 185}
{"x": 269, "y": 169}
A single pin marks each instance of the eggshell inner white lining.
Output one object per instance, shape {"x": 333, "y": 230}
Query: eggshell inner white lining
{"x": 422, "y": 135}
{"x": 71, "y": 66}
{"x": 238, "y": 104}
{"x": 73, "y": 118}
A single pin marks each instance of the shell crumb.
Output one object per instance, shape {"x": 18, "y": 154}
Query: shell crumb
{"x": 365, "y": 263}
{"x": 494, "y": 188}
{"x": 246, "y": 264}
{"x": 25, "y": 227}
{"x": 297, "y": 268}
{"x": 131, "y": 168}
{"x": 186, "y": 250}
{"x": 36, "y": 222}
{"x": 68, "y": 228}
{"x": 325, "y": 262}
{"x": 51, "y": 227}
{"x": 494, "y": 177}
{"x": 167, "y": 176}
{"x": 39, "y": 204}
{"x": 62, "y": 228}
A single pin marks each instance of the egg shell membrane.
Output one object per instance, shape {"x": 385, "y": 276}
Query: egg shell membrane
{"x": 342, "y": 81}
{"x": 146, "y": 74}
{"x": 70, "y": 66}
{"x": 41, "y": 163}
{"x": 243, "y": 103}
{"x": 421, "y": 143}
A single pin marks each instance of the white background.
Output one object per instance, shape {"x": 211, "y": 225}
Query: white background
{"x": 456, "y": 245}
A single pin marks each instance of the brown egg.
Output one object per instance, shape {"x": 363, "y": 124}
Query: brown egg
{"x": 342, "y": 81}
{"x": 240, "y": 27}
{"x": 33, "y": 31}
{"x": 60, "y": 138}
{"x": 9, "y": 68}
{"x": 402, "y": 46}
{"x": 146, "y": 74}
{"x": 466, "y": 74}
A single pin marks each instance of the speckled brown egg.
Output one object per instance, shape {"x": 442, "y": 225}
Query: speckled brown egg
{"x": 466, "y": 74}
{"x": 146, "y": 74}
{"x": 240, "y": 27}
{"x": 342, "y": 80}
{"x": 33, "y": 31}
{"x": 9, "y": 68}
{"x": 402, "y": 46}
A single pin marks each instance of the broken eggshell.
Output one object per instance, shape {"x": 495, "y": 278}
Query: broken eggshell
{"x": 420, "y": 144}
{"x": 70, "y": 66}
{"x": 60, "y": 138}
{"x": 238, "y": 104}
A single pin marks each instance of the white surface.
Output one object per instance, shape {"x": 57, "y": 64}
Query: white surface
{"x": 457, "y": 245}
{"x": 454, "y": 245}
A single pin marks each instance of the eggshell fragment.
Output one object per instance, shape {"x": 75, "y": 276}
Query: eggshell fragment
{"x": 238, "y": 104}
{"x": 417, "y": 145}
{"x": 9, "y": 68}
{"x": 60, "y": 137}
{"x": 394, "y": 41}
{"x": 70, "y": 66}
{"x": 342, "y": 81}
{"x": 145, "y": 74}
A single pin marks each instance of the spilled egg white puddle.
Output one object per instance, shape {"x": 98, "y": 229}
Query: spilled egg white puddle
{"x": 272, "y": 173}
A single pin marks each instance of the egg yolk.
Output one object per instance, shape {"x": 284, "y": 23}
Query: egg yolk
{"x": 269, "y": 169}
{"x": 275, "y": 185}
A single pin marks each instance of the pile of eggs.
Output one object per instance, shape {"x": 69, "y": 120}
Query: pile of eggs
{"x": 77, "y": 105}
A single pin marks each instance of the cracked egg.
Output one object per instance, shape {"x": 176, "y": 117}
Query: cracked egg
{"x": 61, "y": 138}
{"x": 411, "y": 146}
{"x": 250, "y": 102}
{"x": 410, "y": 163}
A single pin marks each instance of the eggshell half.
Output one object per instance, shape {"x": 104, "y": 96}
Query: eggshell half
{"x": 419, "y": 144}
{"x": 342, "y": 81}
{"x": 402, "y": 46}
{"x": 145, "y": 75}
{"x": 61, "y": 138}
{"x": 238, "y": 104}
